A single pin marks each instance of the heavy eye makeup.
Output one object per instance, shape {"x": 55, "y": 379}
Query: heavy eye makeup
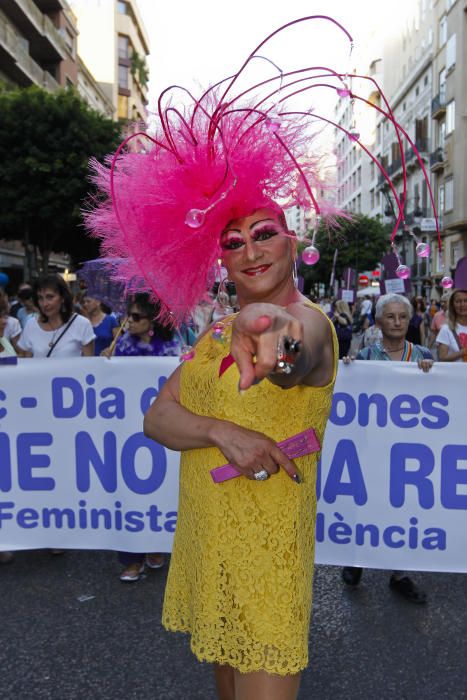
{"x": 264, "y": 233}
{"x": 234, "y": 242}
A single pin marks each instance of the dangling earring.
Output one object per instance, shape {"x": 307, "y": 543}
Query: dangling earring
{"x": 295, "y": 273}
{"x": 223, "y": 296}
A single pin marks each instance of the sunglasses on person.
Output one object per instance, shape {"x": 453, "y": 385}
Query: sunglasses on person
{"x": 136, "y": 317}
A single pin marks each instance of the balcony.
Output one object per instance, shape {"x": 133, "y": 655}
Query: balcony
{"x": 46, "y": 44}
{"x": 437, "y": 160}
{"x": 17, "y": 64}
{"x": 438, "y": 105}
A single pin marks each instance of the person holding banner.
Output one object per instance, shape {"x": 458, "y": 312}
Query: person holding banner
{"x": 452, "y": 337}
{"x": 144, "y": 337}
{"x": 392, "y": 315}
{"x": 57, "y": 332}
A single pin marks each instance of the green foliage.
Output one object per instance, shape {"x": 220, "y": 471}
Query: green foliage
{"x": 360, "y": 242}
{"x": 138, "y": 67}
{"x": 46, "y": 141}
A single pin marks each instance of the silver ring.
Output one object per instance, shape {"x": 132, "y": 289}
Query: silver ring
{"x": 261, "y": 475}
{"x": 286, "y": 354}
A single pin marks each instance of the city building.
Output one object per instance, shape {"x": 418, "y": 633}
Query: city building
{"x": 92, "y": 92}
{"x": 113, "y": 44}
{"x": 38, "y": 43}
{"x": 448, "y": 112}
{"x": 423, "y": 74}
{"x": 407, "y": 63}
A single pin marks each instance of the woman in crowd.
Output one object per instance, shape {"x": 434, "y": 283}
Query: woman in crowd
{"x": 144, "y": 337}
{"x": 104, "y": 325}
{"x": 416, "y": 330}
{"x": 57, "y": 332}
{"x": 452, "y": 337}
{"x": 10, "y": 329}
{"x": 342, "y": 320}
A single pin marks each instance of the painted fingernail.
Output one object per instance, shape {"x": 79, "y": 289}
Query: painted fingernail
{"x": 240, "y": 391}
{"x": 297, "y": 478}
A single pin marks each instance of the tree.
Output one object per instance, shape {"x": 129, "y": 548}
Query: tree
{"x": 46, "y": 141}
{"x": 360, "y": 242}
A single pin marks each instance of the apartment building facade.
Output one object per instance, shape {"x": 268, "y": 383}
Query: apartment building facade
{"x": 424, "y": 77}
{"x": 38, "y": 43}
{"x": 113, "y": 44}
{"x": 448, "y": 112}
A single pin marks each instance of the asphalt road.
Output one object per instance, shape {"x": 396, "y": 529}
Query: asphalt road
{"x": 69, "y": 630}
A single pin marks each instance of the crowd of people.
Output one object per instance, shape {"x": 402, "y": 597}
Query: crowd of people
{"x": 356, "y": 324}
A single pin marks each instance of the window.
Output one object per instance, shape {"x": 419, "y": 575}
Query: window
{"x": 122, "y": 107}
{"x": 122, "y": 7}
{"x": 450, "y": 116}
{"x": 425, "y": 80}
{"x": 455, "y": 253}
{"x": 442, "y": 84}
{"x": 441, "y": 133}
{"x": 451, "y": 52}
{"x": 69, "y": 40}
{"x": 441, "y": 198}
{"x": 123, "y": 73}
{"x": 372, "y": 199}
{"x": 123, "y": 46}
{"x": 443, "y": 30}
{"x": 449, "y": 194}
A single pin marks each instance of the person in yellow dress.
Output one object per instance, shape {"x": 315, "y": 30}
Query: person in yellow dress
{"x": 240, "y": 579}
{"x": 203, "y": 189}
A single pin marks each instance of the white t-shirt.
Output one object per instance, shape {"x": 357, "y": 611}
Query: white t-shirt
{"x": 446, "y": 337}
{"x": 36, "y": 340}
{"x": 12, "y": 328}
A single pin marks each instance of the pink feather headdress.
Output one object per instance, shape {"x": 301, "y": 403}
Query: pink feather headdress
{"x": 171, "y": 193}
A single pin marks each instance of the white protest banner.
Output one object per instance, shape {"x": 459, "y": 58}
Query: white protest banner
{"x": 76, "y": 470}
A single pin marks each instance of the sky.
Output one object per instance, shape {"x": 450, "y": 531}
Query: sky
{"x": 196, "y": 43}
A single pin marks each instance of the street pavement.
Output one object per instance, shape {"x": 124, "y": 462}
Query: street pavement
{"x": 69, "y": 630}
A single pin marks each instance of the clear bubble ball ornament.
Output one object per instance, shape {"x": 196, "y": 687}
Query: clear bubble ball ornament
{"x": 403, "y": 272}
{"x": 186, "y": 353}
{"x": 422, "y": 250}
{"x": 195, "y": 218}
{"x": 310, "y": 255}
{"x": 218, "y": 331}
{"x": 447, "y": 282}
{"x": 343, "y": 92}
{"x": 273, "y": 124}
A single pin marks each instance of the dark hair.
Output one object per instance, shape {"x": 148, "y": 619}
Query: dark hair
{"x": 3, "y": 307}
{"x": 416, "y": 302}
{"x": 57, "y": 284}
{"x": 25, "y": 293}
{"x": 151, "y": 310}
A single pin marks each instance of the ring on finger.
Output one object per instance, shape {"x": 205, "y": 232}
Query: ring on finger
{"x": 287, "y": 351}
{"x": 262, "y": 475}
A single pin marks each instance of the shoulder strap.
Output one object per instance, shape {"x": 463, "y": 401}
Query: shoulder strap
{"x": 54, "y": 345}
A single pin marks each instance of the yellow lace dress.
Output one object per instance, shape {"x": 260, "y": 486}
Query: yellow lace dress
{"x": 240, "y": 579}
